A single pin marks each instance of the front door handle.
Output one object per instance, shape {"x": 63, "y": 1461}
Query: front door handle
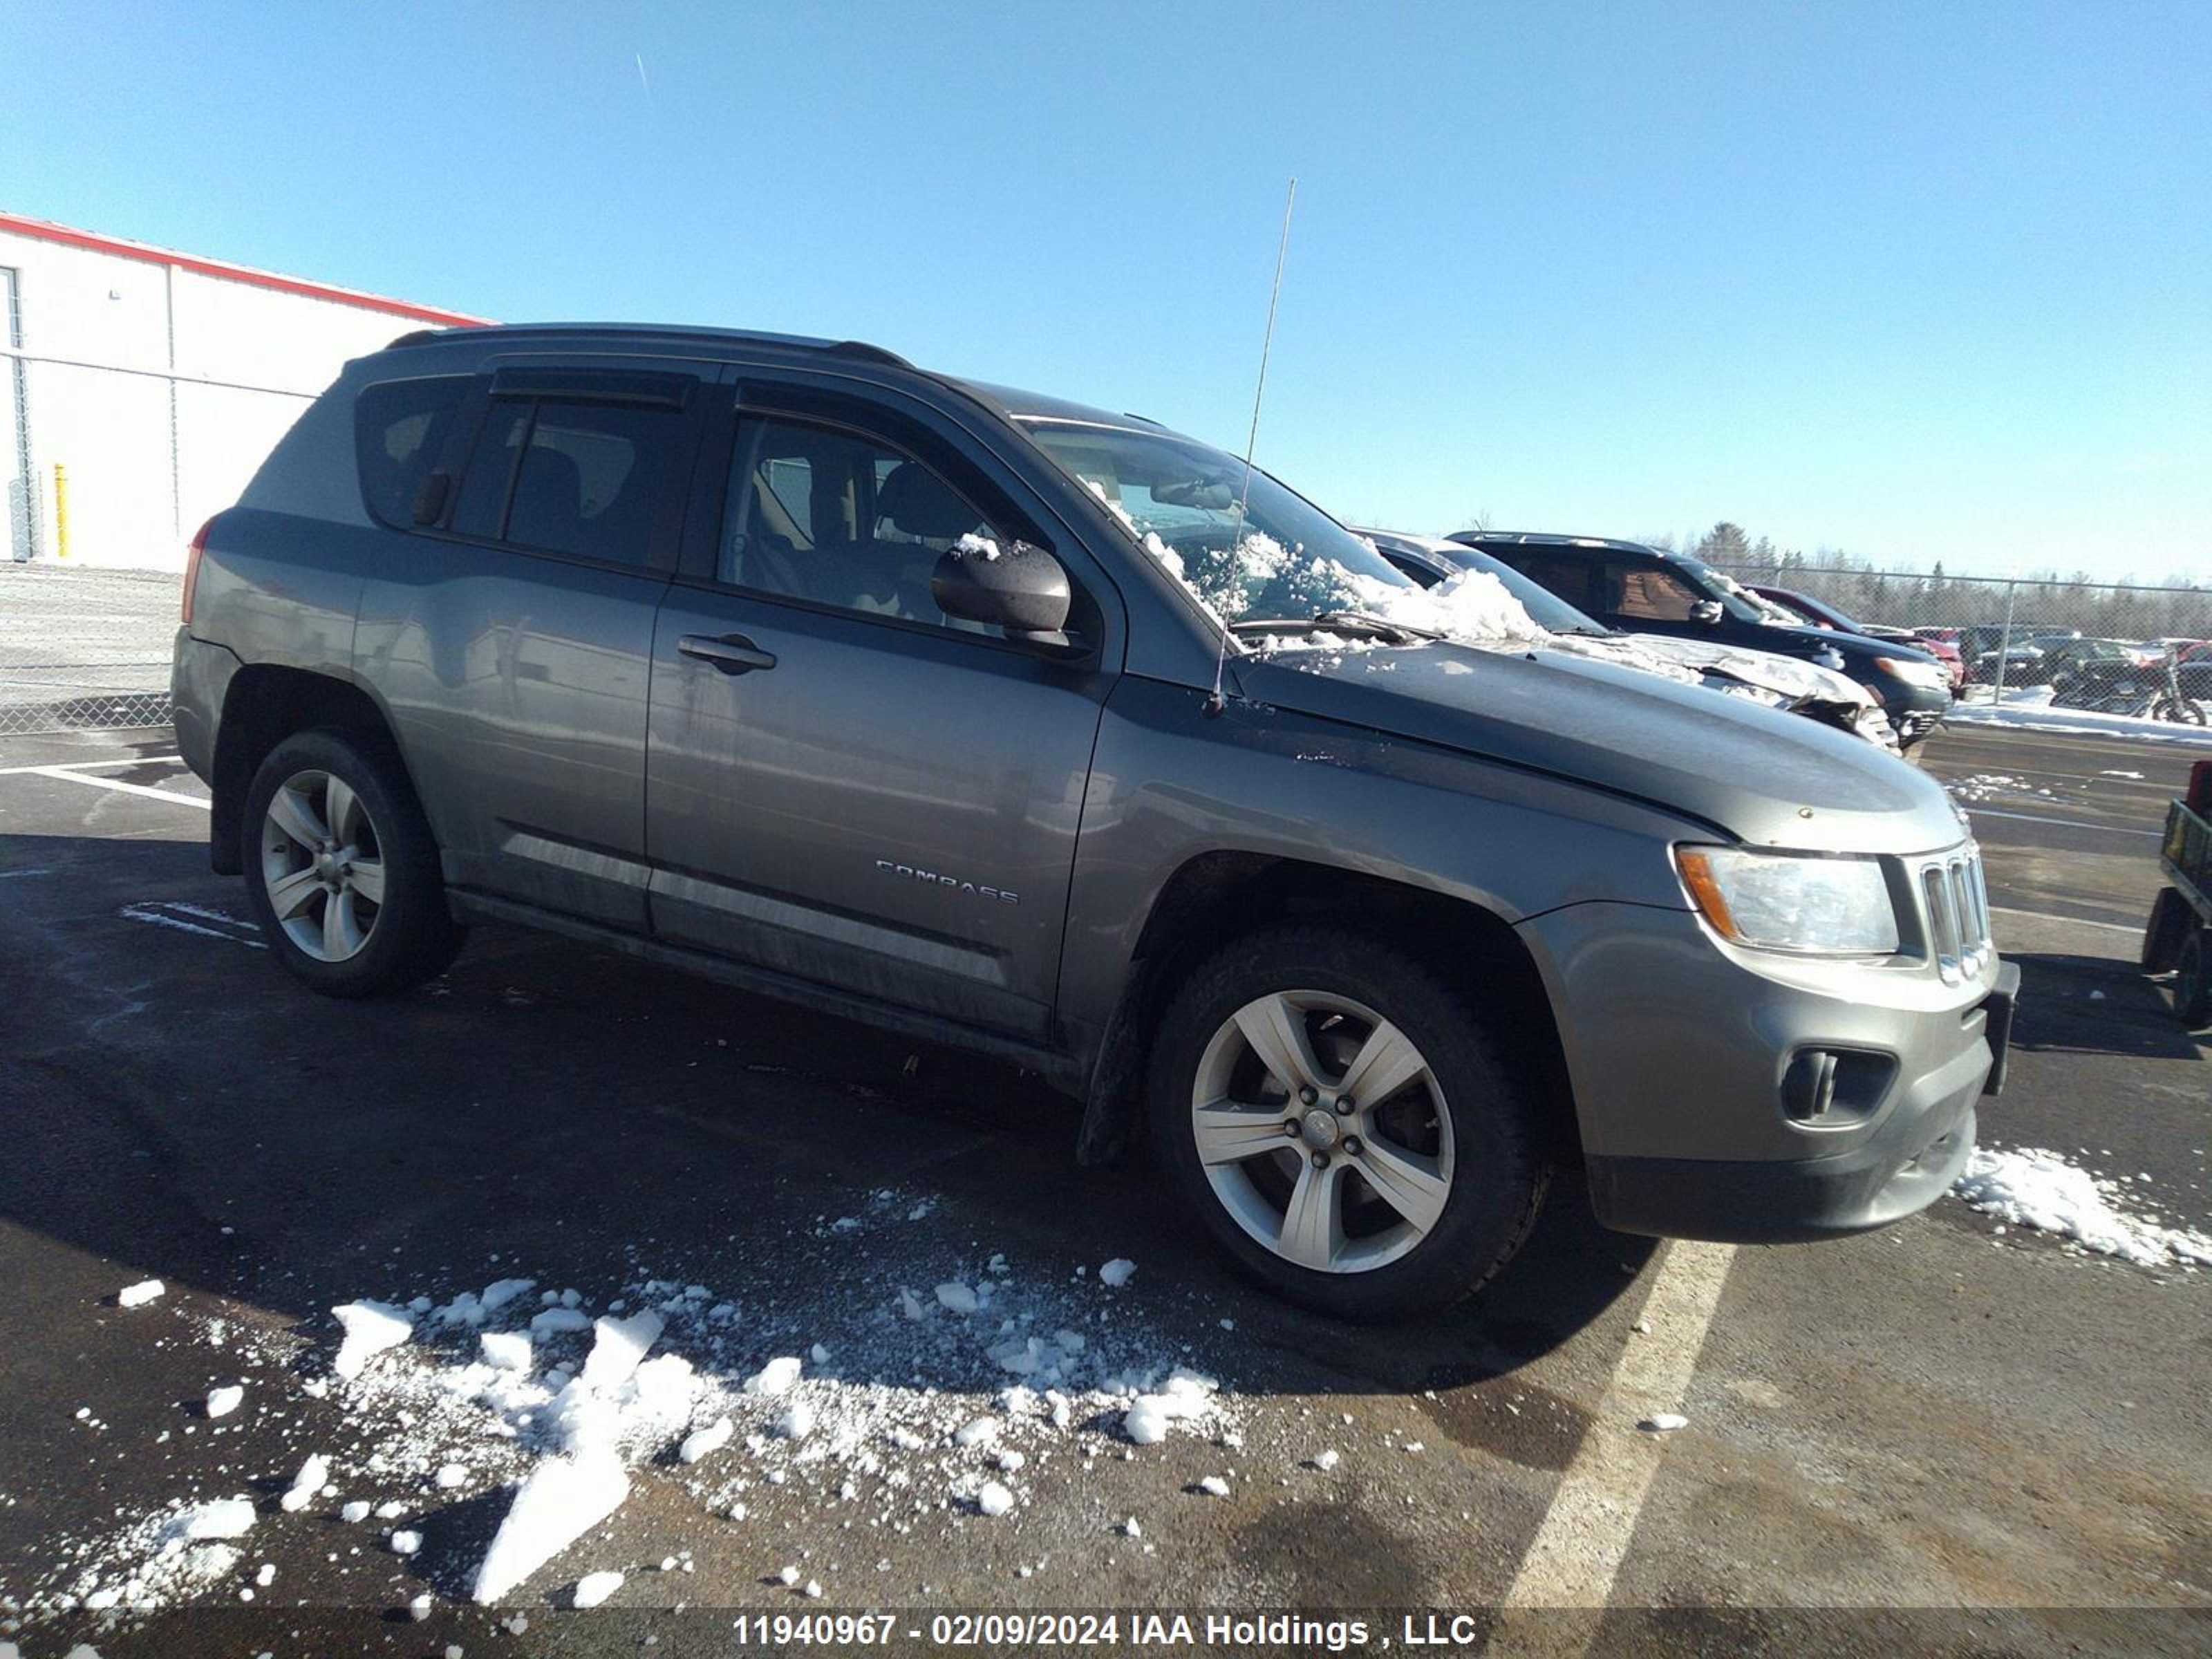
{"x": 733, "y": 654}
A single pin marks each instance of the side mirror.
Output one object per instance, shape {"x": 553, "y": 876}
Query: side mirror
{"x": 1020, "y": 588}
{"x": 1705, "y": 610}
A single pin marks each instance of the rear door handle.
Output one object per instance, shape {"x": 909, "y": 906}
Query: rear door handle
{"x": 733, "y": 654}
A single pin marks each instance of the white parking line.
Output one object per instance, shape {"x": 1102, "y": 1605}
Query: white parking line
{"x": 87, "y": 765}
{"x": 2062, "y": 823}
{"x": 65, "y": 775}
{"x": 2078, "y": 921}
{"x": 161, "y": 916}
{"x": 1577, "y": 1552}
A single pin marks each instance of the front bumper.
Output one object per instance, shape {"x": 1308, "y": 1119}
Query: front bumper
{"x": 1681, "y": 1057}
{"x": 1914, "y": 710}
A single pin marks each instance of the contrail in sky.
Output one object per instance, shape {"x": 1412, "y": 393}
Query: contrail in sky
{"x": 642, "y": 79}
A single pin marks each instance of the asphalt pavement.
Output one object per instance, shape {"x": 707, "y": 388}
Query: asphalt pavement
{"x": 1949, "y": 1435}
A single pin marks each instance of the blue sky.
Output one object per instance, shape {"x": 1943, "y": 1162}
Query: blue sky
{"x": 1917, "y": 281}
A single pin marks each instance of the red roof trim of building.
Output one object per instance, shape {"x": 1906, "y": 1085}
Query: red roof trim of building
{"x": 45, "y": 231}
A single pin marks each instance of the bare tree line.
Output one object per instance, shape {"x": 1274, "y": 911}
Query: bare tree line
{"x": 2175, "y": 608}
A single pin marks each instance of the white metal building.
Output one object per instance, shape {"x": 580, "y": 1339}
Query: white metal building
{"x": 140, "y": 387}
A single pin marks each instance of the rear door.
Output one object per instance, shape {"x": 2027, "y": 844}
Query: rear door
{"x": 845, "y": 786}
{"x": 510, "y": 633}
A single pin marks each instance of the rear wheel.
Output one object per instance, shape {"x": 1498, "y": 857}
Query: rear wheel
{"x": 2192, "y": 983}
{"x": 2167, "y": 932}
{"x": 1334, "y": 1113}
{"x": 341, "y": 869}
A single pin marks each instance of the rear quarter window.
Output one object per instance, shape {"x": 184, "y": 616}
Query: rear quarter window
{"x": 400, "y": 427}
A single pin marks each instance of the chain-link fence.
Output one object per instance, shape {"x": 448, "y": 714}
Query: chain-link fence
{"x": 83, "y": 650}
{"x": 2116, "y": 648}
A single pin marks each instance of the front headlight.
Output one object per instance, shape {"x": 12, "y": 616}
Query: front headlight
{"x": 1913, "y": 671}
{"x": 1791, "y": 901}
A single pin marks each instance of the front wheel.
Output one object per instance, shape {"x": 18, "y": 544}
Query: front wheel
{"x": 1334, "y": 1111}
{"x": 341, "y": 869}
{"x": 2180, "y": 711}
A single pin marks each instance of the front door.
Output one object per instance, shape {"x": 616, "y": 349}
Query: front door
{"x": 844, "y": 785}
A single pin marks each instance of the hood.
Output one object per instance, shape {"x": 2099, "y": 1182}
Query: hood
{"x": 1809, "y": 642}
{"x": 1792, "y": 677}
{"x": 1769, "y": 778}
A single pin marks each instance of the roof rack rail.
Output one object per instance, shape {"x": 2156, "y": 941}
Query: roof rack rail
{"x": 868, "y": 353}
{"x": 414, "y": 337}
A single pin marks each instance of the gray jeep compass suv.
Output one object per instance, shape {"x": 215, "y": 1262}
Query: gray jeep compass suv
{"x": 1021, "y": 725}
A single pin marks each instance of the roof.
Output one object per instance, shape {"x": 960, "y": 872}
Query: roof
{"x": 672, "y": 333}
{"x": 1009, "y": 401}
{"x": 1037, "y": 406}
{"x": 45, "y": 230}
{"x": 1539, "y": 538}
{"x": 1441, "y": 546}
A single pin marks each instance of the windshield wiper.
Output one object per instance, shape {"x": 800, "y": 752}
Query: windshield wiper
{"x": 1337, "y": 621}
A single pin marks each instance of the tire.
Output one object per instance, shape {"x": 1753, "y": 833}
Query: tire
{"x": 2166, "y": 932}
{"x": 2180, "y": 711}
{"x": 341, "y": 933}
{"x": 1471, "y": 1172}
{"x": 2192, "y": 985}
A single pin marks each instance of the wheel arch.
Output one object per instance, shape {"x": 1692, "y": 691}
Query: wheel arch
{"x": 264, "y": 704}
{"x": 1217, "y": 897}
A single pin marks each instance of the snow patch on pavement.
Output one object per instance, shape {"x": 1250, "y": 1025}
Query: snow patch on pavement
{"x": 370, "y": 1328}
{"x": 2029, "y": 708}
{"x": 432, "y": 1401}
{"x": 2037, "y": 1189}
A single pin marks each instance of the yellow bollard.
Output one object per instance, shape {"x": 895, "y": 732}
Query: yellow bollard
{"x": 61, "y": 511}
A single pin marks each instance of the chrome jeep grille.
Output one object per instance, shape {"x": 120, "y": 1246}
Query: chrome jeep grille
{"x": 1956, "y": 907}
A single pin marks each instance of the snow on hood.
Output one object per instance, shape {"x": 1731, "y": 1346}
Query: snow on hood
{"x": 1471, "y": 608}
{"x": 1791, "y": 677}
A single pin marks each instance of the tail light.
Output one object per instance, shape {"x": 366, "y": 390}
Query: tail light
{"x": 2200, "y": 787}
{"x": 192, "y": 568}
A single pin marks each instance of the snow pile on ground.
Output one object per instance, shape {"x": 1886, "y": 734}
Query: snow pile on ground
{"x": 1185, "y": 1395}
{"x": 936, "y": 1387}
{"x": 138, "y": 1295}
{"x": 563, "y": 1498}
{"x": 183, "y": 1551}
{"x": 595, "y": 1587}
{"x": 1993, "y": 786}
{"x": 370, "y": 1328}
{"x": 2032, "y": 1188}
{"x": 2029, "y": 708}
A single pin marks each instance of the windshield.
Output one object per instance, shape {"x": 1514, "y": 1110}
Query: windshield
{"x": 1281, "y": 561}
{"x": 1548, "y": 608}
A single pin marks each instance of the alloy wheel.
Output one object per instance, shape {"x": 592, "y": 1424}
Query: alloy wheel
{"x": 1322, "y": 1131}
{"x": 322, "y": 866}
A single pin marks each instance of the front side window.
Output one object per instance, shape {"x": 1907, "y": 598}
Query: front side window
{"x": 1651, "y": 592}
{"x": 400, "y": 426}
{"x": 837, "y": 518}
{"x": 579, "y": 478}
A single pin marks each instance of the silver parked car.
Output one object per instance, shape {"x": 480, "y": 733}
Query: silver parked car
{"x": 1022, "y": 725}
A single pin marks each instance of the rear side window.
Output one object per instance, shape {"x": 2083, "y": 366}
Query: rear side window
{"x": 581, "y": 478}
{"x": 399, "y": 428}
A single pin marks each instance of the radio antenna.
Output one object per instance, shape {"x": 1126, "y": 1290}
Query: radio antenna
{"x": 1215, "y": 704}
